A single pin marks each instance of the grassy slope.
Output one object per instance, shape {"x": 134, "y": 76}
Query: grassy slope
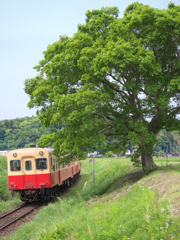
{"x": 120, "y": 206}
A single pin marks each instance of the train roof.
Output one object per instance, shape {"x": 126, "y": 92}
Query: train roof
{"x": 30, "y": 150}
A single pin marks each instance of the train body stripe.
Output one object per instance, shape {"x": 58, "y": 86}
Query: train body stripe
{"x": 32, "y": 181}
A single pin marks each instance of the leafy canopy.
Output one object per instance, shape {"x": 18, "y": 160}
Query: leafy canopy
{"x": 111, "y": 79}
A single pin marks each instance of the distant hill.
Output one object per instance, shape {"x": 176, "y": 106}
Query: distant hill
{"x": 22, "y": 132}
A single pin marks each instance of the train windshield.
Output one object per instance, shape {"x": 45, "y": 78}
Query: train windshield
{"x": 28, "y": 165}
{"x": 41, "y": 163}
{"x": 15, "y": 165}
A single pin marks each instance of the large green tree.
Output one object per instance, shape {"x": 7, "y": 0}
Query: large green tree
{"x": 111, "y": 79}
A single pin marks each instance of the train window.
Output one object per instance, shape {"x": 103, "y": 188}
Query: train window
{"x": 15, "y": 165}
{"x": 41, "y": 163}
{"x": 28, "y": 165}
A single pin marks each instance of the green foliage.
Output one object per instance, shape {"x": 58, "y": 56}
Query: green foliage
{"x": 58, "y": 233}
{"x": 26, "y": 131}
{"x": 4, "y": 193}
{"x": 135, "y": 158}
{"x": 111, "y": 79}
{"x": 22, "y": 132}
{"x": 10, "y": 203}
{"x": 6, "y": 201}
{"x": 168, "y": 141}
{"x": 161, "y": 153}
{"x": 109, "y": 154}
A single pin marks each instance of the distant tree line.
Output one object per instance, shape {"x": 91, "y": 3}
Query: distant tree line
{"x": 167, "y": 142}
{"x": 22, "y": 132}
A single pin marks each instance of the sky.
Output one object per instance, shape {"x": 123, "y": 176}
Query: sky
{"x": 27, "y": 27}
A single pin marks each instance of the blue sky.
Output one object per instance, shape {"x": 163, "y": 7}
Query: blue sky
{"x": 27, "y": 27}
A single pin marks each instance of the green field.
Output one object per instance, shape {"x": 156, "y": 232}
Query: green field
{"x": 123, "y": 204}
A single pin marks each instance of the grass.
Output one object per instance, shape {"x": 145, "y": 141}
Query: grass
{"x": 165, "y": 159}
{"x": 123, "y": 204}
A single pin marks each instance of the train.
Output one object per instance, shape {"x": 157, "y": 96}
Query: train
{"x": 36, "y": 175}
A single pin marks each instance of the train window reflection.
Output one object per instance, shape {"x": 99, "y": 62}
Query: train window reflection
{"x": 41, "y": 163}
{"x": 15, "y": 165}
{"x": 28, "y": 165}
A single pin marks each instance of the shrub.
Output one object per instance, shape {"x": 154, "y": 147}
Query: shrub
{"x": 60, "y": 232}
{"x": 161, "y": 153}
{"x": 109, "y": 154}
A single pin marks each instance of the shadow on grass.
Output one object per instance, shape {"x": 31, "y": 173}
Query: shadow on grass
{"x": 169, "y": 166}
{"x": 128, "y": 179}
{"x": 135, "y": 176}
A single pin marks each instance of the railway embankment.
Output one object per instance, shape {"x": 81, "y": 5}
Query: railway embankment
{"x": 123, "y": 204}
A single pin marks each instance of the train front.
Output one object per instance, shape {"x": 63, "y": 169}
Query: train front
{"x": 29, "y": 173}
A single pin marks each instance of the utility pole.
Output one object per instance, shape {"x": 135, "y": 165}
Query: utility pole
{"x": 93, "y": 170}
{"x": 170, "y": 148}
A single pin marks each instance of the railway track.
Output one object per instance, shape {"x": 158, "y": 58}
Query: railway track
{"x": 10, "y": 221}
{"x": 17, "y": 214}
{"x": 12, "y": 211}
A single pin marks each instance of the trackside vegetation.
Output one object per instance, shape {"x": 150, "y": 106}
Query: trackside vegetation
{"x": 121, "y": 205}
{"x": 6, "y": 201}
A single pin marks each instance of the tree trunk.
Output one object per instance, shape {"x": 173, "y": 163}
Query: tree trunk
{"x": 148, "y": 163}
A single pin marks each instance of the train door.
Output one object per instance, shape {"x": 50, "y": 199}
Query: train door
{"x": 29, "y": 172}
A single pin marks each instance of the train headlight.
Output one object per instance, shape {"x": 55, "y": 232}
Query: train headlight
{"x": 14, "y": 154}
{"x": 41, "y": 153}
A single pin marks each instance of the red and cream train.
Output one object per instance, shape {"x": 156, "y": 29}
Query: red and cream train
{"x": 35, "y": 174}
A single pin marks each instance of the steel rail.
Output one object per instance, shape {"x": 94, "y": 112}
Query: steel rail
{"x": 12, "y": 211}
{"x": 18, "y": 218}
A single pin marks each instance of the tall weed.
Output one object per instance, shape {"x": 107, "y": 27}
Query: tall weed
{"x": 6, "y": 200}
{"x": 4, "y": 193}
